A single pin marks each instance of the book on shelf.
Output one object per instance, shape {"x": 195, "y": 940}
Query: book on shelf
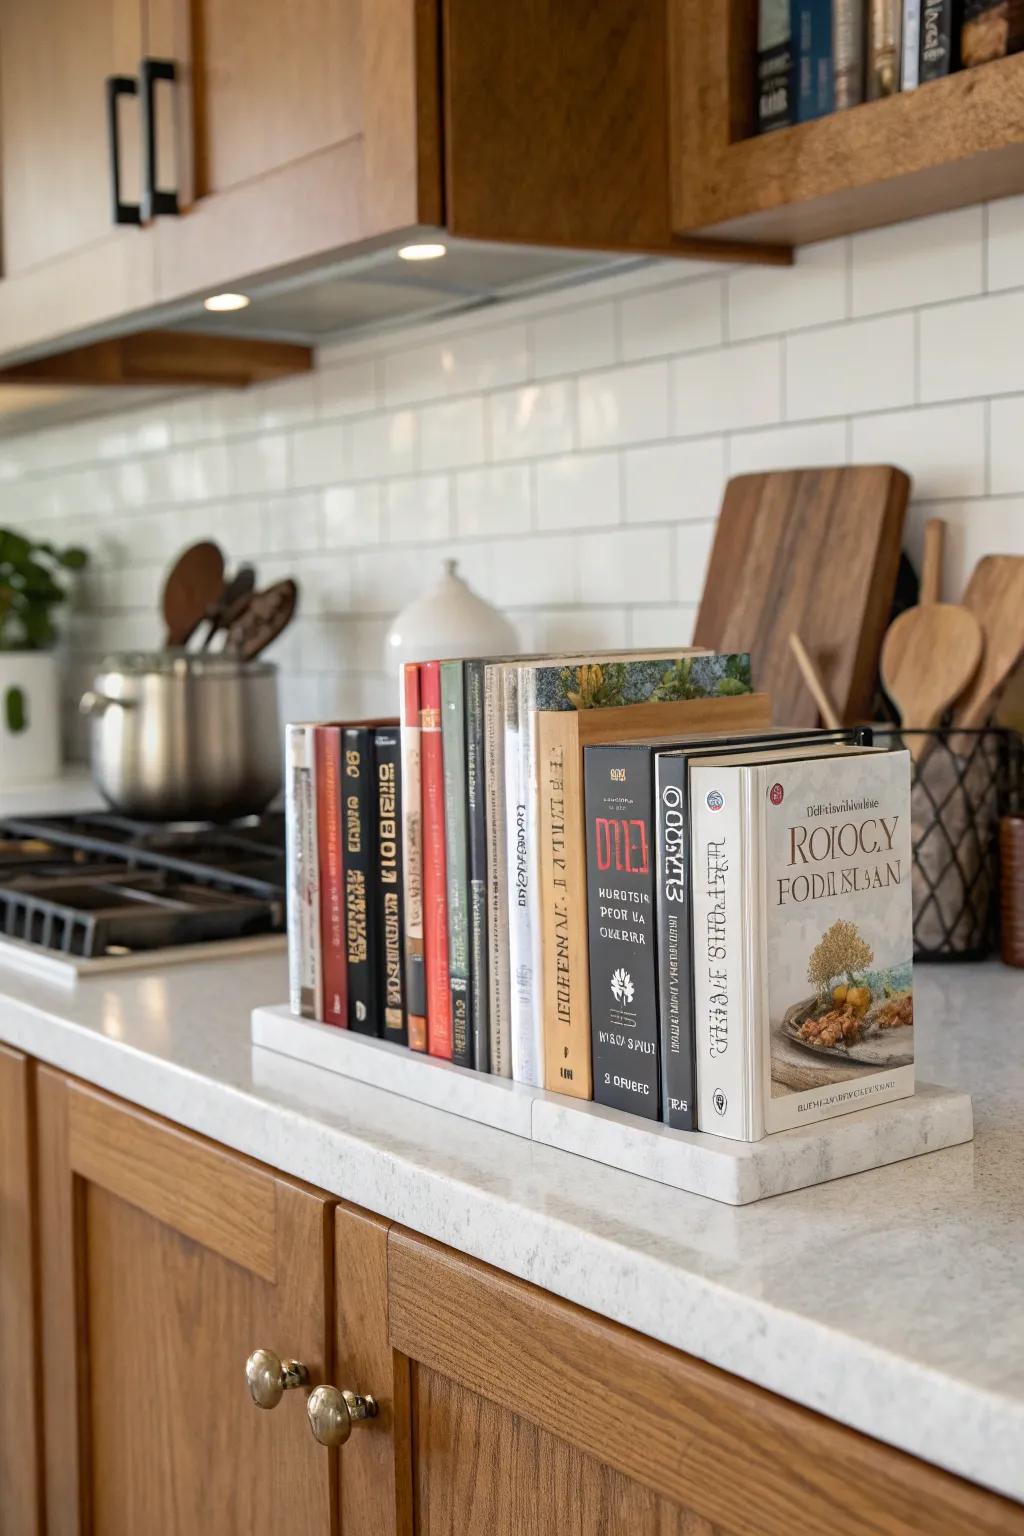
{"x": 774, "y": 66}
{"x": 812, "y": 59}
{"x": 991, "y": 29}
{"x": 359, "y": 845}
{"x": 305, "y": 979}
{"x": 387, "y": 756}
{"x": 412, "y": 858}
{"x": 333, "y": 953}
{"x": 910, "y": 46}
{"x": 499, "y": 981}
{"x": 848, "y": 53}
{"x": 940, "y": 45}
{"x": 803, "y": 935}
{"x": 435, "y": 876}
{"x": 456, "y": 845}
{"x": 883, "y": 48}
{"x": 476, "y": 827}
{"x": 562, "y": 738}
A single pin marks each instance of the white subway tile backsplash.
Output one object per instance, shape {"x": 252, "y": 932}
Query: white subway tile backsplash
{"x": 682, "y": 318}
{"x": 574, "y": 339}
{"x": 667, "y": 482}
{"x": 942, "y": 447}
{"x": 727, "y": 389}
{"x": 493, "y": 501}
{"x": 624, "y": 405}
{"x": 534, "y": 420}
{"x": 570, "y": 450}
{"x": 452, "y": 434}
{"x": 972, "y": 348}
{"x": 578, "y": 491}
{"x": 808, "y": 444}
{"x": 418, "y": 510}
{"x": 765, "y": 301}
{"x": 862, "y": 366}
{"x": 923, "y": 262}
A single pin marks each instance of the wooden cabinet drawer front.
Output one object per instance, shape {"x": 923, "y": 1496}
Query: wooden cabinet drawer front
{"x": 730, "y": 1456}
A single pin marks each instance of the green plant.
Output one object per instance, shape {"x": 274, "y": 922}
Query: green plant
{"x": 594, "y": 687}
{"x": 31, "y": 586}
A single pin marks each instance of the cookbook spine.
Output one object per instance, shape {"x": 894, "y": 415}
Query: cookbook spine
{"x": 883, "y": 48}
{"x": 499, "y": 980}
{"x": 719, "y": 1013}
{"x": 435, "y": 893}
{"x": 524, "y": 1022}
{"x": 453, "y": 748}
{"x": 620, "y": 899}
{"x": 303, "y": 875}
{"x": 360, "y": 880}
{"x": 561, "y": 837}
{"x": 910, "y": 70}
{"x": 412, "y": 858}
{"x": 476, "y": 813}
{"x": 387, "y": 753}
{"x": 812, "y": 48}
{"x": 848, "y": 53}
{"x": 939, "y": 50}
{"x": 774, "y": 66}
{"x": 334, "y": 960}
{"x": 674, "y": 937}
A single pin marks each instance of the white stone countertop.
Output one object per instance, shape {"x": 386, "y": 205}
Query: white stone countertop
{"x": 892, "y": 1301}
{"x": 73, "y": 791}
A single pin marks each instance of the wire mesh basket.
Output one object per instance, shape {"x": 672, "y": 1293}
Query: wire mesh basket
{"x": 963, "y": 781}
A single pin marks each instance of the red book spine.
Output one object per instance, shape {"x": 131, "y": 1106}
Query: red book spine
{"x": 327, "y": 753}
{"x": 435, "y": 882}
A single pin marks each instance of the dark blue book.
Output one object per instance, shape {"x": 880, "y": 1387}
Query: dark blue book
{"x": 811, "y": 28}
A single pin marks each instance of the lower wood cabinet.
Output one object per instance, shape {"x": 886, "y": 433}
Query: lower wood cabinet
{"x": 161, "y": 1261}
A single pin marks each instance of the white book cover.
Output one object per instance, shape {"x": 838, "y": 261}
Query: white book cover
{"x": 911, "y": 70}
{"x": 804, "y": 949}
{"x": 305, "y": 978}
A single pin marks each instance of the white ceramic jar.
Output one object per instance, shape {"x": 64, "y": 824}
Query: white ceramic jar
{"x": 449, "y": 620}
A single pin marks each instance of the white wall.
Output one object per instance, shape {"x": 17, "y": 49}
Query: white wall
{"x": 570, "y": 451}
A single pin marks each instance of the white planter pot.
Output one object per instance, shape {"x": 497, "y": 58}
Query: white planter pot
{"x": 29, "y": 717}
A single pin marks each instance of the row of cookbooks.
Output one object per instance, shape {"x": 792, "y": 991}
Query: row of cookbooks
{"x": 820, "y": 56}
{"x": 610, "y": 877}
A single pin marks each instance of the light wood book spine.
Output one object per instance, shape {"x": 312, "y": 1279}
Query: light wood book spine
{"x": 561, "y": 737}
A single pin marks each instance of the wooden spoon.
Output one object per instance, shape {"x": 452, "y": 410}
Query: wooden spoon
{"x": 995, "y": 594}
{"x": 231, "y": 604}
{"x": 266, "y": 615}
{"x": 194, "y": 582}
{"x": 929, "y": 656}
{"x": 811, "y": 675}
{"x": 930, "y": 589}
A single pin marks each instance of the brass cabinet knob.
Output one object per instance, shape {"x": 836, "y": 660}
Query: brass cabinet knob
{"x": 332, "y": 1413}
{"x": 269, "y": 1377}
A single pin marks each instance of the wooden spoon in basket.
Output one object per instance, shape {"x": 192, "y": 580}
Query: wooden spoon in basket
{"x": 929, "y": 655}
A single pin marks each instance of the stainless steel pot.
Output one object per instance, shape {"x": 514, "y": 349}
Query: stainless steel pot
{"x": 177, "y": 736}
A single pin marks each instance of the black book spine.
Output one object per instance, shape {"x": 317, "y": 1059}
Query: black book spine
{"x": 360, "y": 861}
{"x": 387, "y": 756}
{"x": 620, "y": 904}
{"x": 939, "y": 40}
{"x": 674, "y": 937}
{"x": 476, "y": 808}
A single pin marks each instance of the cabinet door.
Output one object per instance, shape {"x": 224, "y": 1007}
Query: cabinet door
{"x": 20, "y": 1464}
{"x": 299, "y": 132}
{"x": 531, "y": 1416}
{"x": 165, "y": 1261}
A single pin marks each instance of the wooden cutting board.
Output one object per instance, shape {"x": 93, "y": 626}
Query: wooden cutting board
{"x": 812, "y": 552}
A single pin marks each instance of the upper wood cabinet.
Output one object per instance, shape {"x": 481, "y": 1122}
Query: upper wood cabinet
{"x": 951, "y": 142}
{"x": 165, "y": 1262}
{"x": 20, "y": 1438}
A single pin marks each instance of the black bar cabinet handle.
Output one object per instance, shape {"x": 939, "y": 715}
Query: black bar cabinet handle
{"x": 154, "y": 201}
{"x": 119, "y": 85}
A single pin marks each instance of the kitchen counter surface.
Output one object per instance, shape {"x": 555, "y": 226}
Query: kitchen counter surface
{"x": 73, "y": 791}
{"x": 892, "y": 1301}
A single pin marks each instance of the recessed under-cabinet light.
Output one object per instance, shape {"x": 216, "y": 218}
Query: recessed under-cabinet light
{"x": 221, "y": 302}
{"x": 426, "y": 252}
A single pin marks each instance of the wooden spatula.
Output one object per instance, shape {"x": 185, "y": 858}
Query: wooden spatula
{"x": 194, "y": 582}
{"x": 995, "y": 594}
{"x": 265, "y": 616}
{"x": 929, "y": 656}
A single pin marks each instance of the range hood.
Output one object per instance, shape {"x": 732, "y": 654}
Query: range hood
{"x": 365, "y": 293}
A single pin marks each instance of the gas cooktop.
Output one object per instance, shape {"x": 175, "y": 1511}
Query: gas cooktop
{"x": 101, "y": 887}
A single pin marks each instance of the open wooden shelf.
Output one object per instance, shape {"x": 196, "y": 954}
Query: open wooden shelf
{"x": 951, "y": 142}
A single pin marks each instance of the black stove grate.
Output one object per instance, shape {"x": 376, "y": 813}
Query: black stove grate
{"x": 95, "y": 885}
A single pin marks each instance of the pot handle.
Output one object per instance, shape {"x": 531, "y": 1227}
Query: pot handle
{"x": 92, "y": 704}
